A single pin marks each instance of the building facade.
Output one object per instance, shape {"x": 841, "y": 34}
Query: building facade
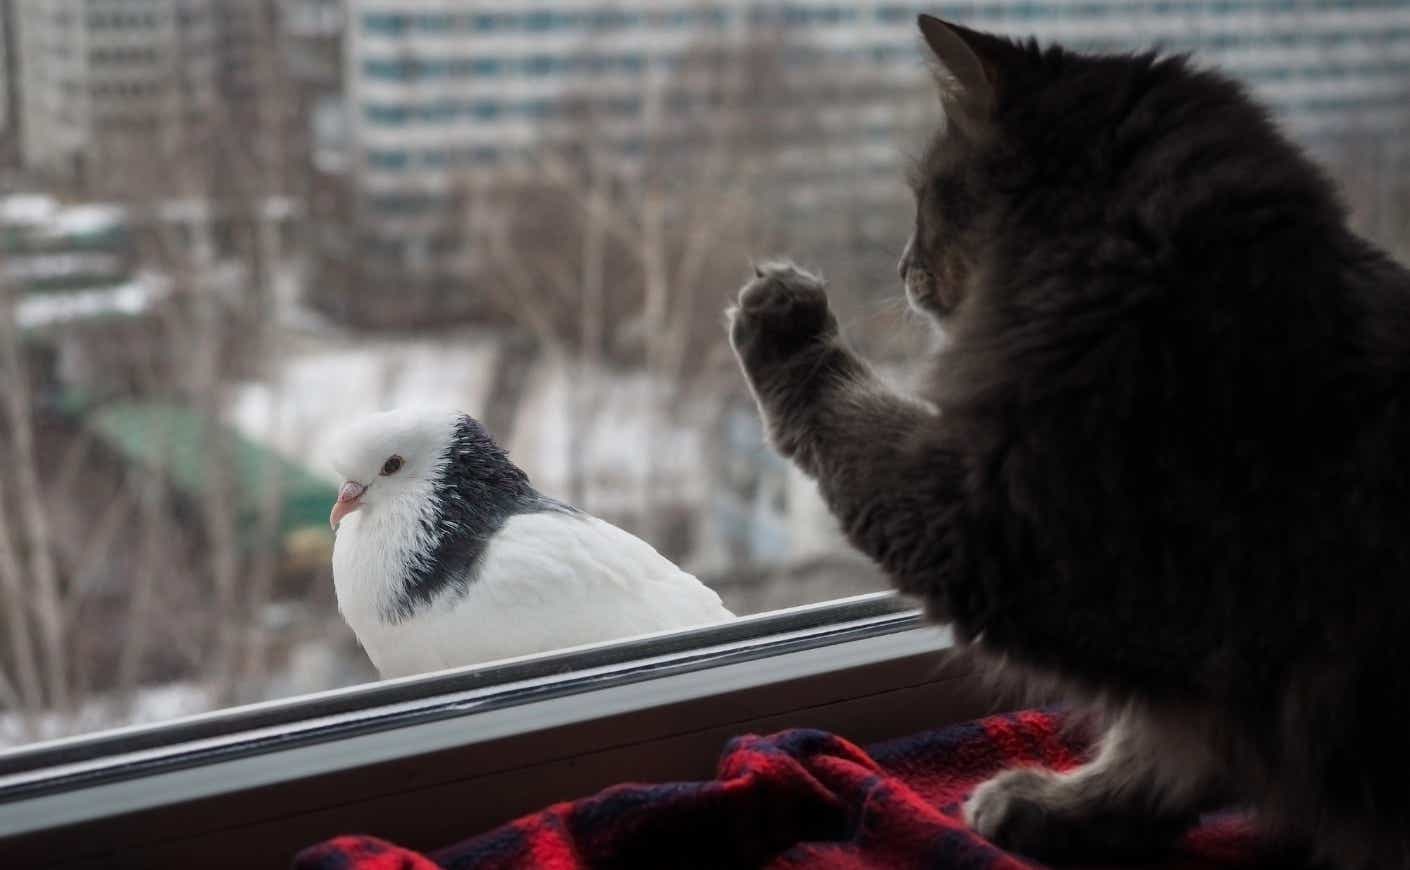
{"x": 107, "y": 86}
{"x": 9, "y": 88}
{"x": 438, "y": 91}
{"x": 434, "y": 83}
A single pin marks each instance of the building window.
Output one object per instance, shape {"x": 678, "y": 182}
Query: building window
{"x": 388, "y": 160}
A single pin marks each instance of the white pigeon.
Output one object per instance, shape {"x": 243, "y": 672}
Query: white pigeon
{"x": 447, "y": 556}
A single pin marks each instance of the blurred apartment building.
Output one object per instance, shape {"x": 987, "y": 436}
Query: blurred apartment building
{"x": 9, "y": 89}
{"x": 182, "y": 109}
{"x": 374, "y": 115}
{"x": 437, "y": 91}
{"x": 107, "y": 88}
{"x": 443, "y": 96}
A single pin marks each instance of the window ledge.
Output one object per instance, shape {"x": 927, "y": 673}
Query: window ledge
{"x": 491, "y": 742}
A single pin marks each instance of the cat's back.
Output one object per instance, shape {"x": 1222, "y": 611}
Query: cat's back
{"x": 1179, "y": 311}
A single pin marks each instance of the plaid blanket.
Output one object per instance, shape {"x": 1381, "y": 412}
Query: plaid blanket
{"x": 797, "y": 799}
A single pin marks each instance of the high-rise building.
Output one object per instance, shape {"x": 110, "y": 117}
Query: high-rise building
{"x": 434, "y": 84}
{"x": 312, "y": 31}
{"x": 439, "y": 95}
{"x": 312, "y": 35}
{"x": 110, "y": 88}
{"x": 438, "y": 90}
{"x": 182, "y": 108}
{"x": 9, "y": 87}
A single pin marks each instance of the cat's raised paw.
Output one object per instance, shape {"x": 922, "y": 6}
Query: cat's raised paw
{"x": 782, "y": 310}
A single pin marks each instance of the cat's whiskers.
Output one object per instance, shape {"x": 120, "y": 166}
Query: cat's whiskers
{"x": 876, "y": 309}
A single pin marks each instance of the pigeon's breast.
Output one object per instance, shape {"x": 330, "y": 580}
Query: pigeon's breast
{"x": 372, "y": 558}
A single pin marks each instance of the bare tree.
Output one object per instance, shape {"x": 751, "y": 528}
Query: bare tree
{"x": 187, "y": 564}
{"x": 617, "y": 241}
{"x": 42, "y": 595}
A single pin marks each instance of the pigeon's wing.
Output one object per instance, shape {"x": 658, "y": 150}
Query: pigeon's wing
{"x": 552, "y": 580}
{"x": 679, "y": 598}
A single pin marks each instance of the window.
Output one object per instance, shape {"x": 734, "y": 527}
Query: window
{"x": 531, "y": 213}
{"x": 389, "y": 25}
{"x": 664, "y": 703}
{"x": 535, "y": 21}
{"x": 531, "y": 65}
{"x": 402, "y": 203}
{"x": 540, "y": 64}
{"x": 388, "y": 159}
{"x": 386, "y": 115}
{"x": 450, "y": 112}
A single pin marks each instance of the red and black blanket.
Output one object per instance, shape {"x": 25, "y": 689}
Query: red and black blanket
{"x": 797, "y": 799}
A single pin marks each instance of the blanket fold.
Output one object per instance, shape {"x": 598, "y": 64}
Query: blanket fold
{"x": 796, "y": 799}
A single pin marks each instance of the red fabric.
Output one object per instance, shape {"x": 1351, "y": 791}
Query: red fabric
{"x": 797, "y": 799}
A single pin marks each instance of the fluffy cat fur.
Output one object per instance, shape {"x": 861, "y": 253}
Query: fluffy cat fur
{"x": 1162, "y": 459}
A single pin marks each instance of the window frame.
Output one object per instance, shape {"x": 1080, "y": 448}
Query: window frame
{"x": 256, "y": 783}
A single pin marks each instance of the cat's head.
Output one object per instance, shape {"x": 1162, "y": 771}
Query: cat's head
{"x": 1048, "y": 154}
{"x": 956, "y": 205}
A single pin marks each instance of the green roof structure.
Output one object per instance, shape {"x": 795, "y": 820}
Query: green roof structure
{"x": 178, "y": 442}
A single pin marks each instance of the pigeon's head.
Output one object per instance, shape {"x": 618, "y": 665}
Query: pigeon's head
{"x": 396, "y": 458}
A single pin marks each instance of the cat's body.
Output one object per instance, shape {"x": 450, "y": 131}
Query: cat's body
{"x": 1170, "y": 465}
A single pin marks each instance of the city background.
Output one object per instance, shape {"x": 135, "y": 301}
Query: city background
{"x": 228, "y": 227}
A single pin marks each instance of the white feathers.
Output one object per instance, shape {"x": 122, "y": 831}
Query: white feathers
{"x": 534, "y": 578}
{"x": 371, "y": 554}
{"x": 418, "y": 436}
{"x": 548, "y": 580}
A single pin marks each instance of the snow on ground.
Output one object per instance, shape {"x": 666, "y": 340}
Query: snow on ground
{"x": 152, "y": 704}
{"x": 133, "y": 297}
{"x": 328, "y": 659}
{"x": 87, "y": 219}
{"x": 53, "y": 218}
{"x": 27, "y": 208}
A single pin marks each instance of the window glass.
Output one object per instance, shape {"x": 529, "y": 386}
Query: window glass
{"x": 229, "y": 231}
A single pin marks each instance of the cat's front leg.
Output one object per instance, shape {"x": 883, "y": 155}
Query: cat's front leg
{"x": 879, "y": 457}
{"x": 1146, "y": 785}
{"x": 792, "y": 353}
{"x": 822, "y": 405}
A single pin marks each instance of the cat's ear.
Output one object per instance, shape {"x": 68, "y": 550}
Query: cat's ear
{"x": 968, "y": 66}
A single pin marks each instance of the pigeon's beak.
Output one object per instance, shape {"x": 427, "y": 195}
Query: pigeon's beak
{"x": 349, "y": 500}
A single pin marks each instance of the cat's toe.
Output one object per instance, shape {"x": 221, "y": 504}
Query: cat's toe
{"x": 780, "y": 284}
{"x": 1008, "y": 811}
{"x": 780, "y": 310}
{"x": 1043, "y": 815}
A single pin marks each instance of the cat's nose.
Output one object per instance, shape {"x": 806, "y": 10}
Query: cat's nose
{"x": 904, "y": 264}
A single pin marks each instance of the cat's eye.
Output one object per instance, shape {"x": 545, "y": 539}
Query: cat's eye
{"x": 392, "y": 465}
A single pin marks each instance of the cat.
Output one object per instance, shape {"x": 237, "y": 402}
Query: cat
{"x": 1161, "y": 458}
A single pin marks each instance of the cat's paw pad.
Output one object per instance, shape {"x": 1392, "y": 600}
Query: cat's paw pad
{"x": 780, "y": 310}
{"x": 1010, "y": 811}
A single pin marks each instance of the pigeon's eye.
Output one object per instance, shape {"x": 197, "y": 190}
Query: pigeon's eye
{"x": 392, "y": 465}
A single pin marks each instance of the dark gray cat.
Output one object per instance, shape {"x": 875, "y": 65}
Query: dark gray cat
{"x": 1163, "y": 459}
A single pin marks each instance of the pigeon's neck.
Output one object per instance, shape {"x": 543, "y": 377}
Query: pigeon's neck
{"x": 468, "y": 505}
